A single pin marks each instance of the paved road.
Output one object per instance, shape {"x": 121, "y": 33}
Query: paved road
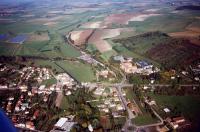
{"x": 131, "y": 85}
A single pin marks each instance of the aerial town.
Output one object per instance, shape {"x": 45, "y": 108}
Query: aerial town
{"x": 100, "y": 66}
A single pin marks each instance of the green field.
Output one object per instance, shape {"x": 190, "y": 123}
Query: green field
{"x": 82, "y": 72}
{"x": 58, "y": 48}
{"x": 49, "y": 82}
{"x": 189, "y": 106}
{"x": 164, "y": 23}
{"x": 106, "y": 55}
{"x": 21, "y": 27}
{"x": 144, "y": 120}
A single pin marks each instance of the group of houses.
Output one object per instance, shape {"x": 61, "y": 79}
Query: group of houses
{"x": 140, "y": 67}
{"x": 19, "y": 109}
{"x": 109, "y": 101}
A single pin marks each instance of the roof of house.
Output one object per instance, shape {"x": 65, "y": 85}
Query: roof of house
{"x": 3, "y": 36}
{"x": 118, "y": 58}
{"x": 142, "y": 63}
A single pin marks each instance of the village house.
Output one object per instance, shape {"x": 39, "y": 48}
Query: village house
{"x": 103, "y": 73}
{"x": 140, "y": 67}
{"x": 119, "y": 58}
{"x": 128, "y": 67}
{"x": 178, "y": 122}
{"x": 144, "y": 65}
{"x": 133, "y": 108}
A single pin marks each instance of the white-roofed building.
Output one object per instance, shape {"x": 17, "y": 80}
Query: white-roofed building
{"x": 63, "y": 125}
{"x": 61, "y": 122}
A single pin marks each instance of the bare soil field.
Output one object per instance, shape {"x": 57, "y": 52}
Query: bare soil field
{"x": 142, "y": 17}
{"x": 118, "y": 18}
{"x": 185, "y": 34}
{"x": 99, "y": 36}
{"x": 97, "y": 24}
{"x": 80, "y": 37}
{"x": 126, "y": 18}
{"x": 191, "y": 33}
{"x": 50, "y": 24}
{"x": 123, "y": 19}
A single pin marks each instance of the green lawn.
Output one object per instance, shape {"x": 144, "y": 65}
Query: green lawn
{"x": 144, "y": 120}
{"x": 49, "y": 82}
{"x": 64, "y": 104}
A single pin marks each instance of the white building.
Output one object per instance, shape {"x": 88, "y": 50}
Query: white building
{"x": 63, "y": 125}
